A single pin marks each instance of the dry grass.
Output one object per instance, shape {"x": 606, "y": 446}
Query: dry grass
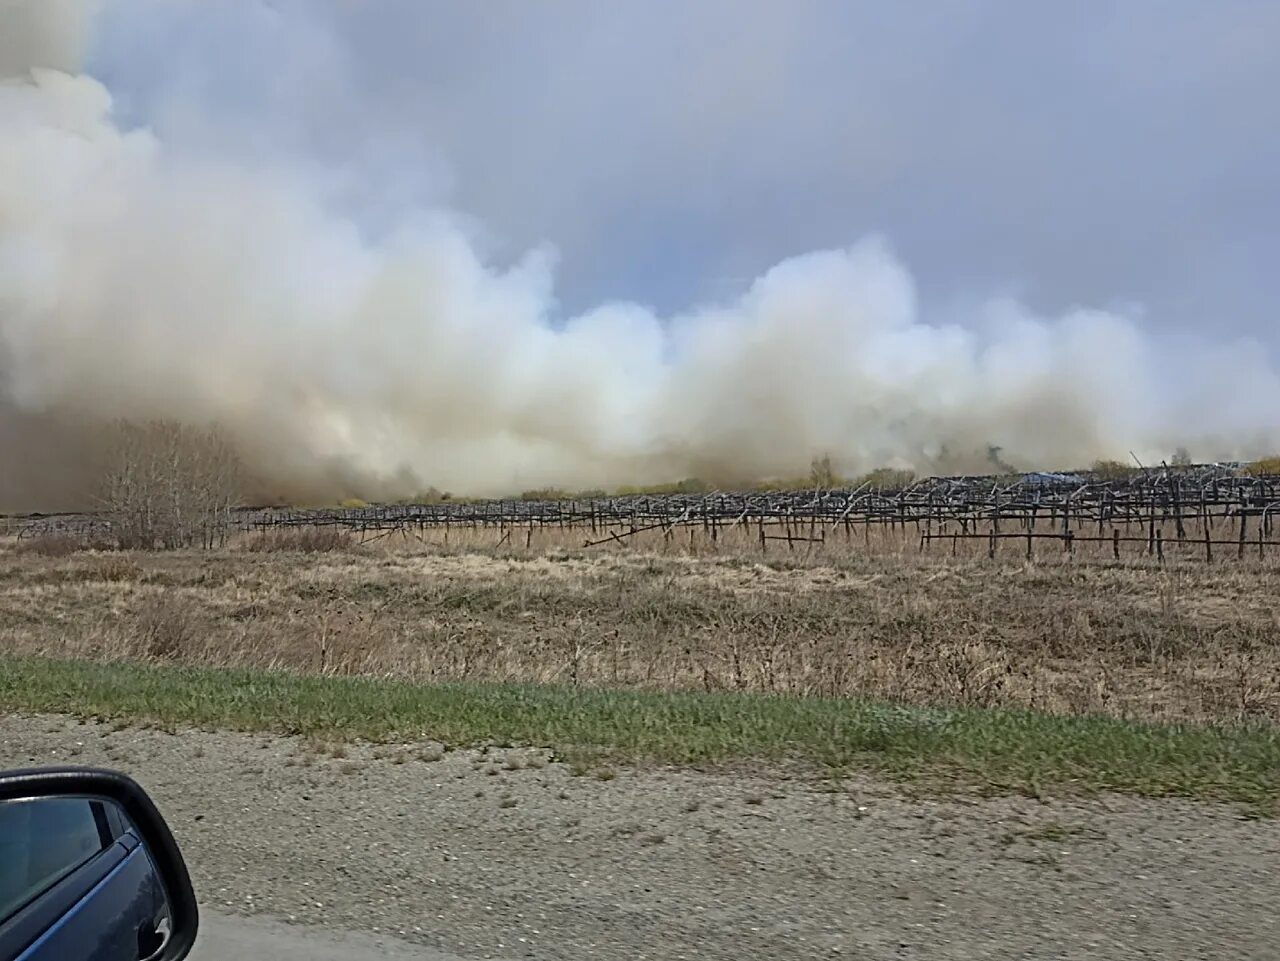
{"x": 51, "y": 545}
{"x": 1185, "y": 642}
{"x": 1266, "y": 467}
{"x": 788, "y": 543}
{"x": 166, "y": 628}
{"x": 304, "y": 540}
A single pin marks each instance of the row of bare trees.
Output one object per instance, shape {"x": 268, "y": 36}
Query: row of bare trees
{"x": 168, "y": 485}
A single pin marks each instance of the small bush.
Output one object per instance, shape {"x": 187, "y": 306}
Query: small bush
{"x": 352, "y": 503}
{"x": 303, "y": 540}
{"x": 430, "y": 495}
{"x": 1112, "y": 470}
{"x": 822, "y": 473}
{"x": 692, "y": 485}
{"x": 886, "y": 478}
{"x": 166, "y": 628}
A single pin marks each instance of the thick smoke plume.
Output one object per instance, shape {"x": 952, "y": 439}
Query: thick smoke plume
{"x": 138, "y": 282}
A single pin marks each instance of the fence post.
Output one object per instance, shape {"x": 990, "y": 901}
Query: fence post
{"x": 1177, "y": 508}
{"x": 1115, "y": 542}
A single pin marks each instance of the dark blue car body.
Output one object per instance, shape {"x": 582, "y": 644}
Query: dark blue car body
{"x": 105, "y": 908}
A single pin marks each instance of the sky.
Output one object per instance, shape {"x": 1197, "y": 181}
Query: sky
{"x": 1096, "y": 154}
{"x": 386, "y": 245}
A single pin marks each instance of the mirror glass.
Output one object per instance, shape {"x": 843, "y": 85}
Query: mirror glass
{"x": 60, "y": 852}
{"x": 44, "y": 839}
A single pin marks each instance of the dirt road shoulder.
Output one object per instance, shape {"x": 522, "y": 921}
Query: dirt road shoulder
{"x": 502, "y": 854}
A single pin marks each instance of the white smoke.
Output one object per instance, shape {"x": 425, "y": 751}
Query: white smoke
{"x": 43, "y": 33}
{"x": 138, "y": 282}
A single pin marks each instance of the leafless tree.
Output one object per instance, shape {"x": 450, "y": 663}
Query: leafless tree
{"x": 168, "y": 485}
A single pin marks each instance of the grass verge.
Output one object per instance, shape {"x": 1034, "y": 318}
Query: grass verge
{"x": 994, "y": 750}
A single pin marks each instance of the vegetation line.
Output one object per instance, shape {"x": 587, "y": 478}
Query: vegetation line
{"x": 990, "y": 749}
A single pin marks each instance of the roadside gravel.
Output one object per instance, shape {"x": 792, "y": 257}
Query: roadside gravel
{"x": 500, "y": 854}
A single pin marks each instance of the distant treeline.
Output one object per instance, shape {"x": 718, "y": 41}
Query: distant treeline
{"x": 822, "y": 475}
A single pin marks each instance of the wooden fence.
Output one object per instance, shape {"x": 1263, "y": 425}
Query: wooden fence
{"x": 1215, "y": 511}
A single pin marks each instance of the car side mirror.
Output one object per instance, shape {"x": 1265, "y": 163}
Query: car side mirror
{"x": 89, "y": 868}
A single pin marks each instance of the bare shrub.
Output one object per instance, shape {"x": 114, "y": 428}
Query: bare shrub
{"x": 166, "y": 628}
{"x": 116, "y": 570}
{"x": 1113, "y": 470}
{"x": 304, "y": 540}
{"x": 822, "y": 473}
{"x": 167, "y": 485}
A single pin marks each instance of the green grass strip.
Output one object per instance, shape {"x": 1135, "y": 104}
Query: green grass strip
{"x": 997, "y": 750}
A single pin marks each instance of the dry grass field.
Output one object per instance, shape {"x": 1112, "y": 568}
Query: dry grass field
{"x": 878, "y": 620}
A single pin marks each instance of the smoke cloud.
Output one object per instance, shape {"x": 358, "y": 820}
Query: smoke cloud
{"x": 48, "y": 33}
{"x": 140, "y": 281}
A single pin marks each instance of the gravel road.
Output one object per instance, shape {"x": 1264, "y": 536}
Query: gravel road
{"x": 501, "y": 855}
{"x": 227, "y": 937}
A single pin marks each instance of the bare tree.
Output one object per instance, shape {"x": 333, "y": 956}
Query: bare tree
{"x": 167, "y": 485}
{"x": 822, "y": 473}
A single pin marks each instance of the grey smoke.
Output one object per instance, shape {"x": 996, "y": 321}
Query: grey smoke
{"x": 139, "y": 278}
